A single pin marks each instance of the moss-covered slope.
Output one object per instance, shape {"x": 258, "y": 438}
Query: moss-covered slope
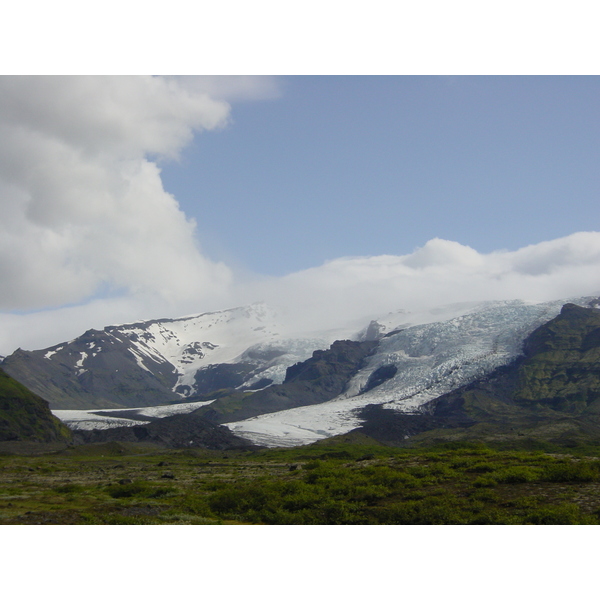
{"x": 25, "y": 416}
{"x": 561, "y": 369}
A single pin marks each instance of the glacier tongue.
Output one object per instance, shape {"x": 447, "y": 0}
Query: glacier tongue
{"x": 109, "y": 417}
{"x": 431, "y": 359}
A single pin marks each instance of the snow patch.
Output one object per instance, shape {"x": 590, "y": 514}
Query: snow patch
{"x": 79, "y": 364}
{"x": 51, "y": 353}
{"x": 139, "y": 360}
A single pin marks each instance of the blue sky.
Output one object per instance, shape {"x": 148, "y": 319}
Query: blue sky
{"x": 336, "y": 199}
{"x": 368, "y": 165}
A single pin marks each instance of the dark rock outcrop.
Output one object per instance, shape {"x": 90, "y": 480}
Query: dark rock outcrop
{"x": 390, "y": 426}
{"x": 320, "y": 378}
{"x": 221, "y": 376}
{"x": 379, "y": 376}
{"x": 179, "y": 431}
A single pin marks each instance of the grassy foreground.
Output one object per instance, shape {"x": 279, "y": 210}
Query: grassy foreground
{"x": 336, "y": 483}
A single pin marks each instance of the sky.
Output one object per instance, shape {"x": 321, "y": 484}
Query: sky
{"x": 339, "y": 198}
{"x": 344, "y": 166}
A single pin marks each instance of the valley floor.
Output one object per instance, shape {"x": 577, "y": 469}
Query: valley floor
{"x": 329, "y": 483}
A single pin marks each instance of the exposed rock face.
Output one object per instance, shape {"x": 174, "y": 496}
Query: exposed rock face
{"x": 25, "y": 416}
{"x": 217, "y": 377}
{"x": 318, "y": 379}
{"x": 97, "y": 370}
{"x": 550, "y": 393}
{"x": 179, "y": 431}
{"x": 378, "y": 376}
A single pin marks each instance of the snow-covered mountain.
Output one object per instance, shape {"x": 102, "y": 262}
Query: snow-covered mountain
{"x": 165, "y": 360}
{"x": 250, "y": 336}
{"x": 155, "y": 362}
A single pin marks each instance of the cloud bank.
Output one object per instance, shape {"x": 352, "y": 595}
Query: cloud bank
{"x": 356, "y": 289}
{"x": 346, "y": 293}
{"x": 89, "y": 237}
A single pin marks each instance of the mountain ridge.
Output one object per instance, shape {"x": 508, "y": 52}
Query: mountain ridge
{"x": 150, "y": 363}
{"x": 160, "y": 361}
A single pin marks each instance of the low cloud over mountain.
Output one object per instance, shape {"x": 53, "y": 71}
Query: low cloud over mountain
{"x": 440, "y": 272}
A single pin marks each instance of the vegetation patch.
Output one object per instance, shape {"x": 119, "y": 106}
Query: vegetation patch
{"x": 326, "y": 483}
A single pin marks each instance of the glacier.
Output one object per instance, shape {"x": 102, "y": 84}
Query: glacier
{"x": 431, "y": 359}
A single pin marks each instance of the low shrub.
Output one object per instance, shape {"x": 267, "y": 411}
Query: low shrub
{"x": 482, "y": 467}
{"x": 127, "y": 490}
{"x": 485, "y": 481}
{"x": 517, "y": 474}
{"x": 572, "y": 472}
{"x": 563, "y": 514}
{"x": 433, "y": 510}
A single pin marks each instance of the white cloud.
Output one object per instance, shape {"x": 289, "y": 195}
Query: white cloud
{"x": 580, "y": 249}
{"x": 234, "y": 88}
{"x": 443, "y": 253}
{"x": 441, "y": 272}
{"x": 82, "y": 200}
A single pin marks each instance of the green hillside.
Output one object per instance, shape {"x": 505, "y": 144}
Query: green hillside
{"x": 25, "y": 416}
